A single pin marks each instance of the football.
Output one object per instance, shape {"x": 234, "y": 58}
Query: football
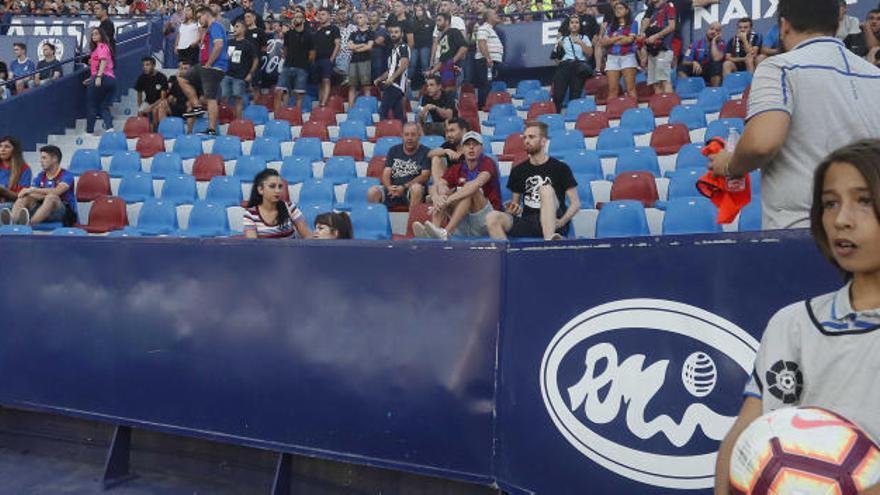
{"x": 803, "y": 451}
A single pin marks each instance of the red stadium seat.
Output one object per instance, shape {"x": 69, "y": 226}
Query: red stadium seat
{"x": 225, "y": 114}
{"x": 734, "y": 109}
{"x": 208, "y": 165}
{"x": 418, "y": 213}
{"x": 374, "y": 91}
{"x": 644, "y": 92}
{"x": 539, "y": 108}
{"x": 513, "y": 147}
{"x": 472, "y": 118}
{"x": 376, "y": 167}
{"x": 150, "y": 144}
{"x": 591, "y": 123}
{"x": 136, "y": 127}
{"x": 468, "y": 88}
{"x": 497, "y": 97}
{"x": 267, "y": 100}
{"x": 601, "y": 96}
{"x": 293, "y": 115}
{"x": 468, "y": 101}
{"x": 243, "y": 128}
{"x": 638, "y": 186}
{"x": 747, "y": 92}
{"x": 92, "y": 185}
{"x": 667, "y": 139}
{"x": 388, "y": 128}
{"x": 341, "y": 91}
{"x": 352, "y": 147}
{"x": 662, "y": 104}
{"x": 325, "y": 115}
{"x": 596, "y": 84}
{"x": 617, "y": 106}
{"x": 336, "y": 103}
{"x": 316, "y": 130}
{"x": 106, "y": 214}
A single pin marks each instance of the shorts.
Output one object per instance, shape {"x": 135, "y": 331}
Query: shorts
{"x": 620, "y": 62}
{"x": 293, "y": 78}
{"x": 207, "y": 79}
{"x": 324, "y": 68}
{"x": 660, "y": 67}
{"x": 57, "y": 215}
{"x": 449, "y": 74}
{"x": 710, "y": 70}
{"x": 231, "y": 86}
{"x": 740, "y": 66}
{"x": 530, "y": 226}
{"x": 359, "y": 74}
{"x": 474, "y": 224}
{"x": 392, "y": 201}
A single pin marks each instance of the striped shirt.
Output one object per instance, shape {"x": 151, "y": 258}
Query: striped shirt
{"x": 618, "y": 30}
{"x": 398, "y": 53}
{"x": 493, "y": 43}
{"x": 254, "y": 221}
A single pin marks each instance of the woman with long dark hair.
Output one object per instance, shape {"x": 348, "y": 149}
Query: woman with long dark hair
{"x": 267, "y": 215}
{"x": 620, "y": 40}
{"x": 333, "y": 225}
{"x": 15, "y": 174}
{"x": 572, "y": 51}
{"x": 101, "y": 86}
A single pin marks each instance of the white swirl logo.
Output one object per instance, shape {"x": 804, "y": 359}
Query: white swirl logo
{"x": 609, "y": 383}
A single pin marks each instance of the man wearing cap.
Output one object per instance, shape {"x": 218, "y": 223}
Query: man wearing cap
{"x": 466, "y": 194}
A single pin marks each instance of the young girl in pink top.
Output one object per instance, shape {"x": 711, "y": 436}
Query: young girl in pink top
{"x": 101, "y": 86}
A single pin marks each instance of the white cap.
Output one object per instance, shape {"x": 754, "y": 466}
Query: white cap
{"x": 476, "y": 136}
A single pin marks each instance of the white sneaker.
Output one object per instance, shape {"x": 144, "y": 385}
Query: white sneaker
{"x": 5, "y": 216}
{"x": 556, "y": 237}
{"x": 419, "y": 230}
{"x": 22, "y": 217}
{"x": 437, "y": 232}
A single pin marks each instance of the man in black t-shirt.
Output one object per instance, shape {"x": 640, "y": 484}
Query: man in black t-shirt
{"x": 151, "y": 90}
{"x": 407, "y": 169}
{"x": 260, "y": 40}
{"x": 48, "y": 69}
{"x": 299, "y": 52}
{"x": 243, "y": 64}
{"x": 860, "y": 44}
{"x": 540, "y": 186}
{"x": 105, "y": 24}
{"x": 453, "y": 49}
{"x": 360, "y": 43}
{"x": 176, "y": 100}
{"x": 450, "y": 152}
{"x": 438, "y": 105}
{"x": 327, "y": 41}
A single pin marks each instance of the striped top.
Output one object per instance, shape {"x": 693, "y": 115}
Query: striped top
{"x": 254, "y": 221}
{"x": 615, "y": 29}
{"x": 493, "y": 43}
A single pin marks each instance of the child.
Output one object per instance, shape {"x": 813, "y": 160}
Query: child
{"x": 332, "y": 225}
{"x": 823, "y": 352}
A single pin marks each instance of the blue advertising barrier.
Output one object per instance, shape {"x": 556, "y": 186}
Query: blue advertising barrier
{"x": 65, "y": 47}
{"x": 72, "y": 26}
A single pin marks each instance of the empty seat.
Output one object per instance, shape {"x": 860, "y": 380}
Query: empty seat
{"x": 225, "y": 191}
{"x": 199, "y": 126}
{"x": 150, "y": 144}
{"x": 596, "y": 84}
{"x": 737, "y": 82}
{"x": 293, "y": 115}
{"x": 124, "y": 162}
{"x": 370, "y": 221}
{"x": 585, "y": 163}
{"x": 84, "y": 160}
{"x": 208, "y": 165}
{"x": 165, "y": 164}
{"x": 136, "y": 127}
{"x": 498, "y": 86}
{"x": 712, "y": 99}
{"x": 229, "y": 147}
{"x": 513, "y": 147}
{"x": 269, "y": 148}
{"x": 340, "y": 169}
{"x": 638, "y": 120}
{"x": 111, "y": 142}
{"x": 206, "y": 220}
{"x": 432, "y": 142}
{"x": 468, "y": 102}
{"x": 371, "y": 103}
{"x": 667, "y": 139}
{"x": 566, "y": 141}
{"x": 499, "y": 110}
{"x": 136, "y": 187}
{"x": 384, "y": 144}
{"x": 296, "y": 169}
{"x": 585, "y": 192}
{"x": 690, "y": 115}
{"x": 662, "y": 104}
{"x": 638, "y": 160}
{"x": 157, "y": 217}
{"x": 507, "y": 125}
{"x": 258, "y": 114}
{"x": 336, "y": 103}
{"x": 540, "y": 108}
{"x": 106, "y": 214}
{"x": 721, "y": 128}
{"x": 683, "y": 183}
{"x": 694, "y": 215}
{"x": 389, "y": 128}
{"x": 621, "y": 219}
{"x": 278, "y": 129}
{"x": 613, "y": 140}
{"x": 356, "y": 192}
{"x": 225, "y": 113}
{"x": 172, "y": 127}
{"x": 689, "y": 87}
{"x": 578, "y": 106}
{"x": 247, "y": 167}
{"x": 243, "y": 128}
{"x": 317, "y": 191}
{"x": 316, "y": 130}
{"x": 323, "y": 115}
{"x": 359, "y": 114}
{"x": 179, "y": 189}
{"x": 525, "y": 86}
{"x": 691, "y": 156}
{"x": 376, "y": 167}
{"x": 309, "y": 147}
{"x": 92, "y": 184}
{"x": 637, "y": 186}
{"x": 734, "y": 109}
{"x": 615, "y": 107}
{"x": 533, "y": 96}
{"x": 496, "y": 97}
{"x": 187, "y": 146}
{"x": 349, "y": 147}
{"x": 644, "y": 92}
{"x": 591, "y": 123}
{"x": 353, "y": 128}
{"x": 554, "y": 121}
{"x": 69, "y": 231}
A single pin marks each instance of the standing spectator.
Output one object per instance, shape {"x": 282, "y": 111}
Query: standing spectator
{"x": 452, "y": 48}
{"x": 49, "y": 199}
{"x": 332, "y": 225}
{"x": 658, "y": 43}
{"x": 449, "y": 153}
{"x": 15, "y": 174}
{"x": 106, "y": 25}
{"x": 453, "y": 21}
{"x": 589, "y": 27}
{"x": 22, "y": 66}
{"x": 860, "y": 43}
{"x": 187, "y": 43}
{"x": 788, "y": 129}
{"x": 393, "y": 81}
{"x": 360, "y": 43}
{"x": 243, "y": 64}
{"x": 327, "y": 42}
{"x": 540, "y": 186}
{"x": 420, "y": 38}
{"x": 705, "y": 57}
{"x": 256, "y": 34}
{"x": 572, "y": 50}
{"x": 151, "y": 87}
{"x": 407, "y": 169}
{"x": 207, "y": 76}
{"x": 743, "y": 49}
{"x": 438, "y": 105}
{"x": 489, "y": 56}
{"x": 398, "y": 17}
{"x": 101, "y": 86}
{"x": 771, "y": 42}
{"x": 4, "y": 86}
{"x": 267, "y": 215}
{"x": 48, "y": 69}
{"x": 218, "y": 15}
{"x": 345, "y": 29}
{"x": 847, "y": 24}
{"x": 620, "y": 42}
{"x": 299, "y": 53}
{"x": 381, "y": 45}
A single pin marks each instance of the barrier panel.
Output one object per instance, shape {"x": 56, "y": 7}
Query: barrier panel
{"x": 65, "y": 47}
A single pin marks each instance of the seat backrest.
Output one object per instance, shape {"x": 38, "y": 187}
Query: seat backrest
{"x": 663, "y": 103}
{"x": 667, "y": 139}
{"x": 340, "y": 169}
{"x": 107, "y": 213}
{"x": 389, "y": 127}
{"x": 369, "y": 102}
{"x": 229, "y": 147}
{"x": 225, "y": 113}
{"x": 721, "y": 128}
{"x": 208, "y": 216}
{"x": 243, "y": 128}
{"x": 85, "y": 159}
{"x": 136, "y": 187}
{"x": 564, "y": 141}
{"x": 417, "y": 213}
{"x": 336, "y": 103}
{"x": 315, "y": 129}
{"x": 296, "y": 169}
{"x": 353, "y": 128}
{"x": 509, "y": 124}
{"x": 111, "y": 142}
{"x": 695, "y": 215}
{"x": 638, "y": 159}
{"x": 501, "y": 110}
{"x": 247, "y": 167}
{"x": 554, "y": 121}
{"x": 172, "y": 127}
{"x": 136, "y": 126}
{"x": 690, "y": 115}
{"x": 323, "y": 115}
{"x": 360, "y": 114}
{"x": 356, "y": 190}
{"x": 585, "y": 163}
{"x": 578, "y": 106}
{"x": 540, "y": 108}
{"x": 495, "y": 98}
{"x": 432, "y": 141}
{"x": 92, "y": 184}
{"x": 689, "y": 87}
{"x": 317, "y": 191}
{"x": 591, "y": 123}
{"x": 293, "y": 115}
{"x": 384, "y": 144}
{"x": 224, "y": 191}
{"x": 180, "y": 189}
{"x": 638, "y": 186}
{"x": 69, "y": 231}
{"x": 279, "y": 129}
{"x": 526, "y": 85}
{"x": 157, "y": 213}
{"x": 595, "y": 84}
{"x": 585, "y": 191}
{"x": 712, "y": 99}
{"x": 376, "y": 167}
{"x": 683, "y": 183}
{"x": 150, "y": 144}
{"x": 370, "y": 221}
{"x": 734, "y": 109}
{"x": 187, "y": 146}
{"x": 615, "y": 138}
{"x": 513, "y": 144}
{"x": 616, "y": 106}
{"x": 691, "y": 156}
{"x": 258, "y": 114}
{"x": 639, "y": 120}
{"x": 308, "y": 146}
{"x": 268, "y": 148}
{"x": 622, "y": 219}
{"x": 736, "y": 82}
{"x": 349, "y": 147}
{"x": 208, "y": 165}
{"x": 124, "y": 162}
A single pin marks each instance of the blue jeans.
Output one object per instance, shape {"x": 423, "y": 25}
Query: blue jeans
{"x": 419, "y": 62}
{"x": 392, "y": 99}
{"x": 98, "y": 101}
{"x": 230, "y": 86}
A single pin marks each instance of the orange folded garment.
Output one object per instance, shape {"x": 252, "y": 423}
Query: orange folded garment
{"x": 718, "y": 190}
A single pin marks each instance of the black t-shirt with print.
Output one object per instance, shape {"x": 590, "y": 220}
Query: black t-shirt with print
{"x": 449, "y": 43}
{"x": 445, "y": 100}
{"x": 323, "y": 40}
{"x": 297, "y": 45}
{"x": 151, "y": 85}
{"x": 174, "y": 89}
{"x": 404, "y": 167}
{"x": 423, "y": 32}
{"x": 527, "y": 179}
{"x": 359, "y": 37}
{"x": 258, "y": 37}
{"x": 241, "y": 58}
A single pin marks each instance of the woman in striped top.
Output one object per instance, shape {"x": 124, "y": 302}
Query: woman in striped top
{"x": 267, "y": 215}
{"x": 620, "y": 40}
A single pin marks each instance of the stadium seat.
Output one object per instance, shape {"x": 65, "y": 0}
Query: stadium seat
{"x": 376, "y": 167}
{"x": 356, "y": 192}
{"x": 187, "y": 146}
{"x": 150, "y": 144}
{"x": 229, "y": 147}
{"x": 309, "y": 147}
{"x": 513, "y": 147}
{"x": 617, "y": 106}
{"x": 136, "y": 187}
{"x": 690, "y": 216}
{"x": 247, "y": 167}
{"x": 689, "y": 87}
{"x": 554, "y": 121}
{"x": 180, "y": 189}
{"x": 15, "y": 230}
{"x": 225, "y": 191}
{"x": 495, "y": 98}
{"x": 69, "y": 231}
{"x": 499, "y": 110}
{"x": 622, "y": 219}
{"x": 92, "y": 185}
{"x": 206, "y": 220}
{"x": 637, "y": 186}
{"x": 432, "y": 142}
{"x": 172, "y": 127}
{"x": 691, "y": 156}
{"x": 525, "y": 86}
{"x": 690, "y": 115}
{"x": 737, "y": 82}
{"x": 200, "y": 125}
{"x": 208, "y": 165}
{"x": 371, "y": 103}
{"x": 124, "y": 232}
{"x": 467, "y": 102}
{"x": 418, "y": 213}
{"x": 540, "y": 108}
{"x": 316, "y": 130}
{"x": 388, "y": 128}
{"x": 585, "y": 192}
{"x": 638, "y": 160}
{"x": 667, "y": 139}
{"x": 585, "y": 164}
{"x": 165, "y": 164}
{"x": 243, "y": 128}
{"x": 591, "y": 123}
{"x": 317, "y": 191}
{"x": 750, "y": 217}
{"x": 106, "y": 214}
{"x": 565, "y": 141}
{"x": 473, "y": 120}
{"x": 292, "y": 115}
{"x": 498, "y": 86}
{"x": 296, "y": 169}
{"x": 358, "y": 114}
{"x": 266, "y": 100}
{"x": 225, "y": 113}
{"x": 278, "y": 129}
{"x": 111, "y": 142}
{"x": 84, "y": 160}
{"x": 683, "y": 183}
{"x": 336, "y": 103}
{"x": 613, "y": 140}
{"x": 638, "y": 120}
{"x": 578, "y": 106}
{"x": 384, "y": 144}
{"x": 712, "y": 99}
{"x": 595, "y": 84}
{"x": 507, "y": 125}
{"x": 644, "y": 92}
{"x": 534, "y": 96}
{"x": 371, "y": 221}
{"x": 258, "y": 114}
{"x": 734, "y": 109}
{"x": 267, "y": 147}
{"x": 340, "y": 170}
{"x": 721, "y": 128}
{"x": 136, "y": 127}
{"x": 353, "y": 128}
{"x": 124, "y": 162}
{"x": 323, "y": 115}
{"x": 662, "y": 104}
{"x": 349, "y": 147}
{"x": 157, "y": 217}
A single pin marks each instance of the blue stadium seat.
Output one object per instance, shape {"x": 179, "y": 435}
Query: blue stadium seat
{"x": 566, "y": 141}
{"x": 229, "y": 147}
{"x": 124, "y": 162}
{"x": 683, "y": 183}
{"x": 124, "y": 232}
{"x": 296, "y": 169}
{"x": 15, "y": 230}
{"x": 712, "y": 99}
{"x": 554, "y": 121}
{"x": 622, "y": 219}
{"x": 310, "y": 147}
{"x": 383, "y": 144}
{"x": 224, "y": 191}
{"x": 695, "y": 215}
{"x": 188, "y": 146}
{"x": 689, "y": 87}
{"x": 171, "y": 127}
{"x": 247, "y": 167}
{"x": 721, "y": 128}
{"x": 258, "y": 114}
{"x": 585, "y": 192}
{"x": 356, "y": 192}
{"x": 525, "y": 86}
{"x": 340, "y": 169}
{"x": 165, "y": 164}
{"x": 70, "y": 231}
{"x": 534, "y": 96}
{"x": 360, "y": 114}
{"x": 199, "y": 127}
{"x": 638, "y": 120}
{"x": 691, "y": 156}
{"x": 353, "y": 128}
{"x": 584, "y": 163}
{"x": 317, "y": 191}
{"x": 690, "y": 115}
{"x": 136, "y": 187}
{"x": 206, "y": 220}
{"x": 278, "y": 129}
{"x": 179, "y": 189}
{"x": 579, "y": 106}
{"x": 498, "y": 86}
{"x": 504, "y": 126}
{"x": 642, "y": 159}
{"x": 497, "y": 111}
{"x": 84, "y": 160}
{"x": 371, "y": 221}
{"x": 756, "y": 184}
{"x": 736, "y": 82}
{"x": 613, "y": 140}
{"x": 368, "y": 102}
{"x": 111, "y": 142}
{"x": 312, "y": 210}
{"x": 750, "y": 216}
{"x": 157, "y": 217}
{"x": 267, "y": 147}
{"x": 432, "y": 142}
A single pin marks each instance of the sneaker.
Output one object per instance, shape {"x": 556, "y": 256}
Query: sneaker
{"x": 109, "y": 129}
{"x": 556, "y": 237}
{"x": 195, "y": 112}
{"x": 208, "y": 132}
{"x": 419, "y": 230}
{"x": 437, "y": 232}
{"x": 6, "y": 217}
{"x": 22, "y": 217}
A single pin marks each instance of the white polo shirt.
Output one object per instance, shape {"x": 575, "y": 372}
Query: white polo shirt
{"x": 833, "y": 97}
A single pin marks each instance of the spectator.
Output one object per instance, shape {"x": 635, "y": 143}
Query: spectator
{"x": 151, "y": 87}
{"x": 50, "y": 199}
{"x": 106, "y": 25}
{"x": 489, "y": 56}
{"x": 207, "y": 76}
{"x": 771, "y": 42}
{"x": 453, "y": 21}
{"x": 407, "y": 169}
{"x": 299, "y": 53}
{"x": 360, "y": 43}
{"x": 381, "y": 45}
{"x": 345, "y": 30}
{"x": 15, "y": 174}
{"x": 450, "y": 152}
{"x": 705, "y": 57}
{"x": 452, "y": 48}
{"x": 465, "y": 195}
{"x": 332, "y": 225}
{"x": 572, "y": 51}
{"x": 259, "y": 39}
{"x": 420, "y": 38}
{"x": 177, "y": 100}
{"x": 684, "y": 26}
{"x": 587, "y": 22}
{"x": 101, "y": 86}
{"x": 789, "y": 129}
{"x": 848, "y": 24}
{"x": 218, "y": 15}
{"x": 743, "y": 50}
{"x": 658, "y": 44}
{"x": 267, "y": 215}
{"x": 243, "y": 64}
{"x": 187, "y": 42}
{"x": 49, "y": 69}
{"x": 21, "y": 67}
{"x": 393, "y": 81}
{"x": 248, "y": 6}
{"x": 398, "y": 17}
{"x": 4, "y": 86}
{"x": 327, "y": 42}
{"x": 620, "y": 43}
{"x": 540, "y": 186}
{"x": 438, "y": 105}
{"x": 861, "y": 43}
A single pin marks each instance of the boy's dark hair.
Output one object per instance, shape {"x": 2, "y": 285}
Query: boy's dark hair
{"x": 460, "y": 122}
{"x": 435, "y": 78}
{"x": 20, "y": 45}
{"x": 52, "y": 150}
{"x": 810, "y": 16}
{"x": 149, "y": 59}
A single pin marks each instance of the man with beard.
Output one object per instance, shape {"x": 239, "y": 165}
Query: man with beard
{"x": 394, "y": 80}
{"x": 326, "y": 41}
{"x": 299, "y": 52}
{"x": 449, "y": 153}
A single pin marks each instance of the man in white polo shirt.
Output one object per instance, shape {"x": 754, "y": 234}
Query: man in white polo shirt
{"x": 811, "y": 99}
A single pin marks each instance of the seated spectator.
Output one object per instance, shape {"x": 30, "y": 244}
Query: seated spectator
{"x": 437, "y": 104}
{"x": 450, "y": 152}
{"x": 267, "y": 216}
{"x": 48, "y": 69}
{"x": 466, "y": 194}
{"x": 705, "y": 57}
{"x": 50, "y": 199}
{"x": 332, "y": 225}
{"x": 152, "y": 88}
{"x": 360, "y": 72}
{"x": 4, "y": 76}
{"x": 176, "y": 100}
{"x": 861, "y": 43}
{"x": 393, "y": 81}
{"x": 407, "y": 169}
{"x": 744, "y": 49}
{"x": 848, "y": 24}
{"x": 771, "y": 42}
{"x": 540, "y": 186}
{"x": 243, "y": 64}
{"x": 15, "y": 174}
{"x": 21, "y": 67}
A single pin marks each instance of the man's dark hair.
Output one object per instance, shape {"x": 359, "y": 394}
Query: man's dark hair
{"x": 50, "y": 45}
{"x": 460, "y": 122}
{"x": 52, "y": 150}
{"x": 872, "y": 12}
{"x": 810, "y": 16}
{"x": 103, "y": 6}
{"x": 745, "y": 19}
{"x": 435, "y": 78}
{"x": 149, "y": 59}
{"x": 446, "y": 16}
{"x": 324, "y": 9}
{"x": 20, "y": 45}
{"x": 240, "y": 20}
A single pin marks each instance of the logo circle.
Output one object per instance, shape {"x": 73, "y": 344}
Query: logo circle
{"x": 699, "y": 375}
{"x": 59, "y": 48}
